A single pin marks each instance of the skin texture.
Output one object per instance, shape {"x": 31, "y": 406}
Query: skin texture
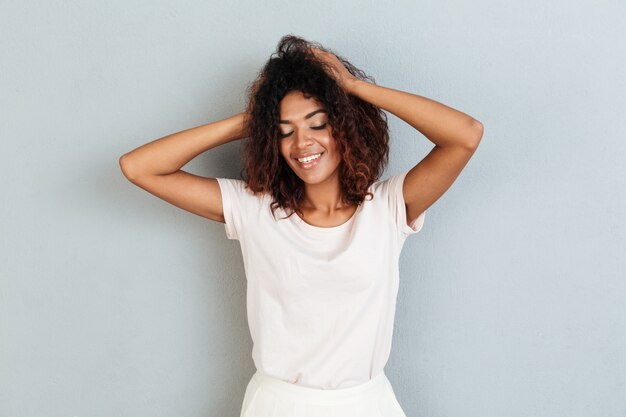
{"x": 322, "y": 205}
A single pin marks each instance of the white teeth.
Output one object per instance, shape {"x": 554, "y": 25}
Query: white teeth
{"x": 310, "y": 158}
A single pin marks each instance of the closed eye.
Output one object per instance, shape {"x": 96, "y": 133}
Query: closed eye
{"x": 284, "y": 135}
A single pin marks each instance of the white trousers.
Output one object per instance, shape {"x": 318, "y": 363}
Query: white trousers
{"x": 267, "y": 396}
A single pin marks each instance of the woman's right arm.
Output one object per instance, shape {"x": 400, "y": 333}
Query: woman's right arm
{"x": 155, "y": 166}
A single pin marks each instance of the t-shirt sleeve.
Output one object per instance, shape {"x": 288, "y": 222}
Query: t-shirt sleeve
{"x": 237, "y": 203}
{"x": 398, "y": 208}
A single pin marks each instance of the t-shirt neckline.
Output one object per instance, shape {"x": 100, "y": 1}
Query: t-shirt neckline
{"x": 299, "y": 221}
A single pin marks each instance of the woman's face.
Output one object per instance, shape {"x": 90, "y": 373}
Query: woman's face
{"x": 304, "y": 131}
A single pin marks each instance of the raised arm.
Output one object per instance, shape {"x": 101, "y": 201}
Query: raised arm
{"x": 455, "y": 134}
{"x": 155, "y": 166}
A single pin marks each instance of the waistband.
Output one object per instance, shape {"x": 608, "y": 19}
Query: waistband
{"x": 319, "y": 394}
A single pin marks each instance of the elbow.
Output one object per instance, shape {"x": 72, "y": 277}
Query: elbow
{"x": 125, "y": 166}
{"x": 477, "y": 129}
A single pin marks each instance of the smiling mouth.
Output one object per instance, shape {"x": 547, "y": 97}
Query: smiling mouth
{"x": 310, "y": 164}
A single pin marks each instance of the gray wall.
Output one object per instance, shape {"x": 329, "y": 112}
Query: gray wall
{"x": 115, "y": 303}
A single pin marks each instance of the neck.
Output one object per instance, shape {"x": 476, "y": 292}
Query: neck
{"x": 324, "y": 197}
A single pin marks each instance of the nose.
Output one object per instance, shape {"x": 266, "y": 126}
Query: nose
{"x": 303, "y": 140}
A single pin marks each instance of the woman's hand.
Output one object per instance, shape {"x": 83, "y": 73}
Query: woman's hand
{"x": 339, "y": 71}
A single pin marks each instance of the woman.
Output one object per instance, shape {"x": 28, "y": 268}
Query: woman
{"x": 322, "y": 284}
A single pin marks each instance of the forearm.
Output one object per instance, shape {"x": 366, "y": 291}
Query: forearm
{"x": 168, "y": 154}
{"x": 442, "y": 125}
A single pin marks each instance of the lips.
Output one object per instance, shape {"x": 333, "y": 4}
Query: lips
{"x": 309, "y": 154}
{"x": 310, "y": 164}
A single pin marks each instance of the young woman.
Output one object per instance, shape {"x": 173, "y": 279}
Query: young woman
{"x": 320, "y": 234}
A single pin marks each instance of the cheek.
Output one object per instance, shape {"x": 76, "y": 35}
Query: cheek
{"x": 332, "y": 146}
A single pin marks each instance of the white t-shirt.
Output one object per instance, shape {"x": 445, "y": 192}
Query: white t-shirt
{"x": 320, "y": 300}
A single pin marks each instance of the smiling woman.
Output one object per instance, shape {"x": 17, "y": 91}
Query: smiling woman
{"x": 322, "y": 285}
{"x": 315, "y": 115}
{"x": 317, "y": 150}
{"x": 310, "y": 150}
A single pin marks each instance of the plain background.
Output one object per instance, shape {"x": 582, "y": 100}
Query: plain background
{"x": 115, "y": 303}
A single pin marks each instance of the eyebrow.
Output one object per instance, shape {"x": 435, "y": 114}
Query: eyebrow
{"x": 308, "y": 116}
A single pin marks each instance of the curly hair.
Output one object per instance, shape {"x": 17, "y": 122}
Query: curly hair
{"x": 359, "y": 128}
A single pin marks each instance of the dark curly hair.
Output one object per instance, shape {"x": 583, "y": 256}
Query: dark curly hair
{"x": 359, "y": 128}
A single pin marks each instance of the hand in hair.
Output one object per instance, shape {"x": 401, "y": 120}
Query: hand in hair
{"x": 338, "y": 70}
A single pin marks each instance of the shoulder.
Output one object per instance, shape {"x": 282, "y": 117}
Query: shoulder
{"x": 238, "y": 197}
{"x": 239, "y": 187}
{"x": 388, "y": 186}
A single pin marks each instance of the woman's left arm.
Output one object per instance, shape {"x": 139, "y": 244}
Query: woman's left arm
{"x": 442, "y": 125}
{"x": 455, "y": 135}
